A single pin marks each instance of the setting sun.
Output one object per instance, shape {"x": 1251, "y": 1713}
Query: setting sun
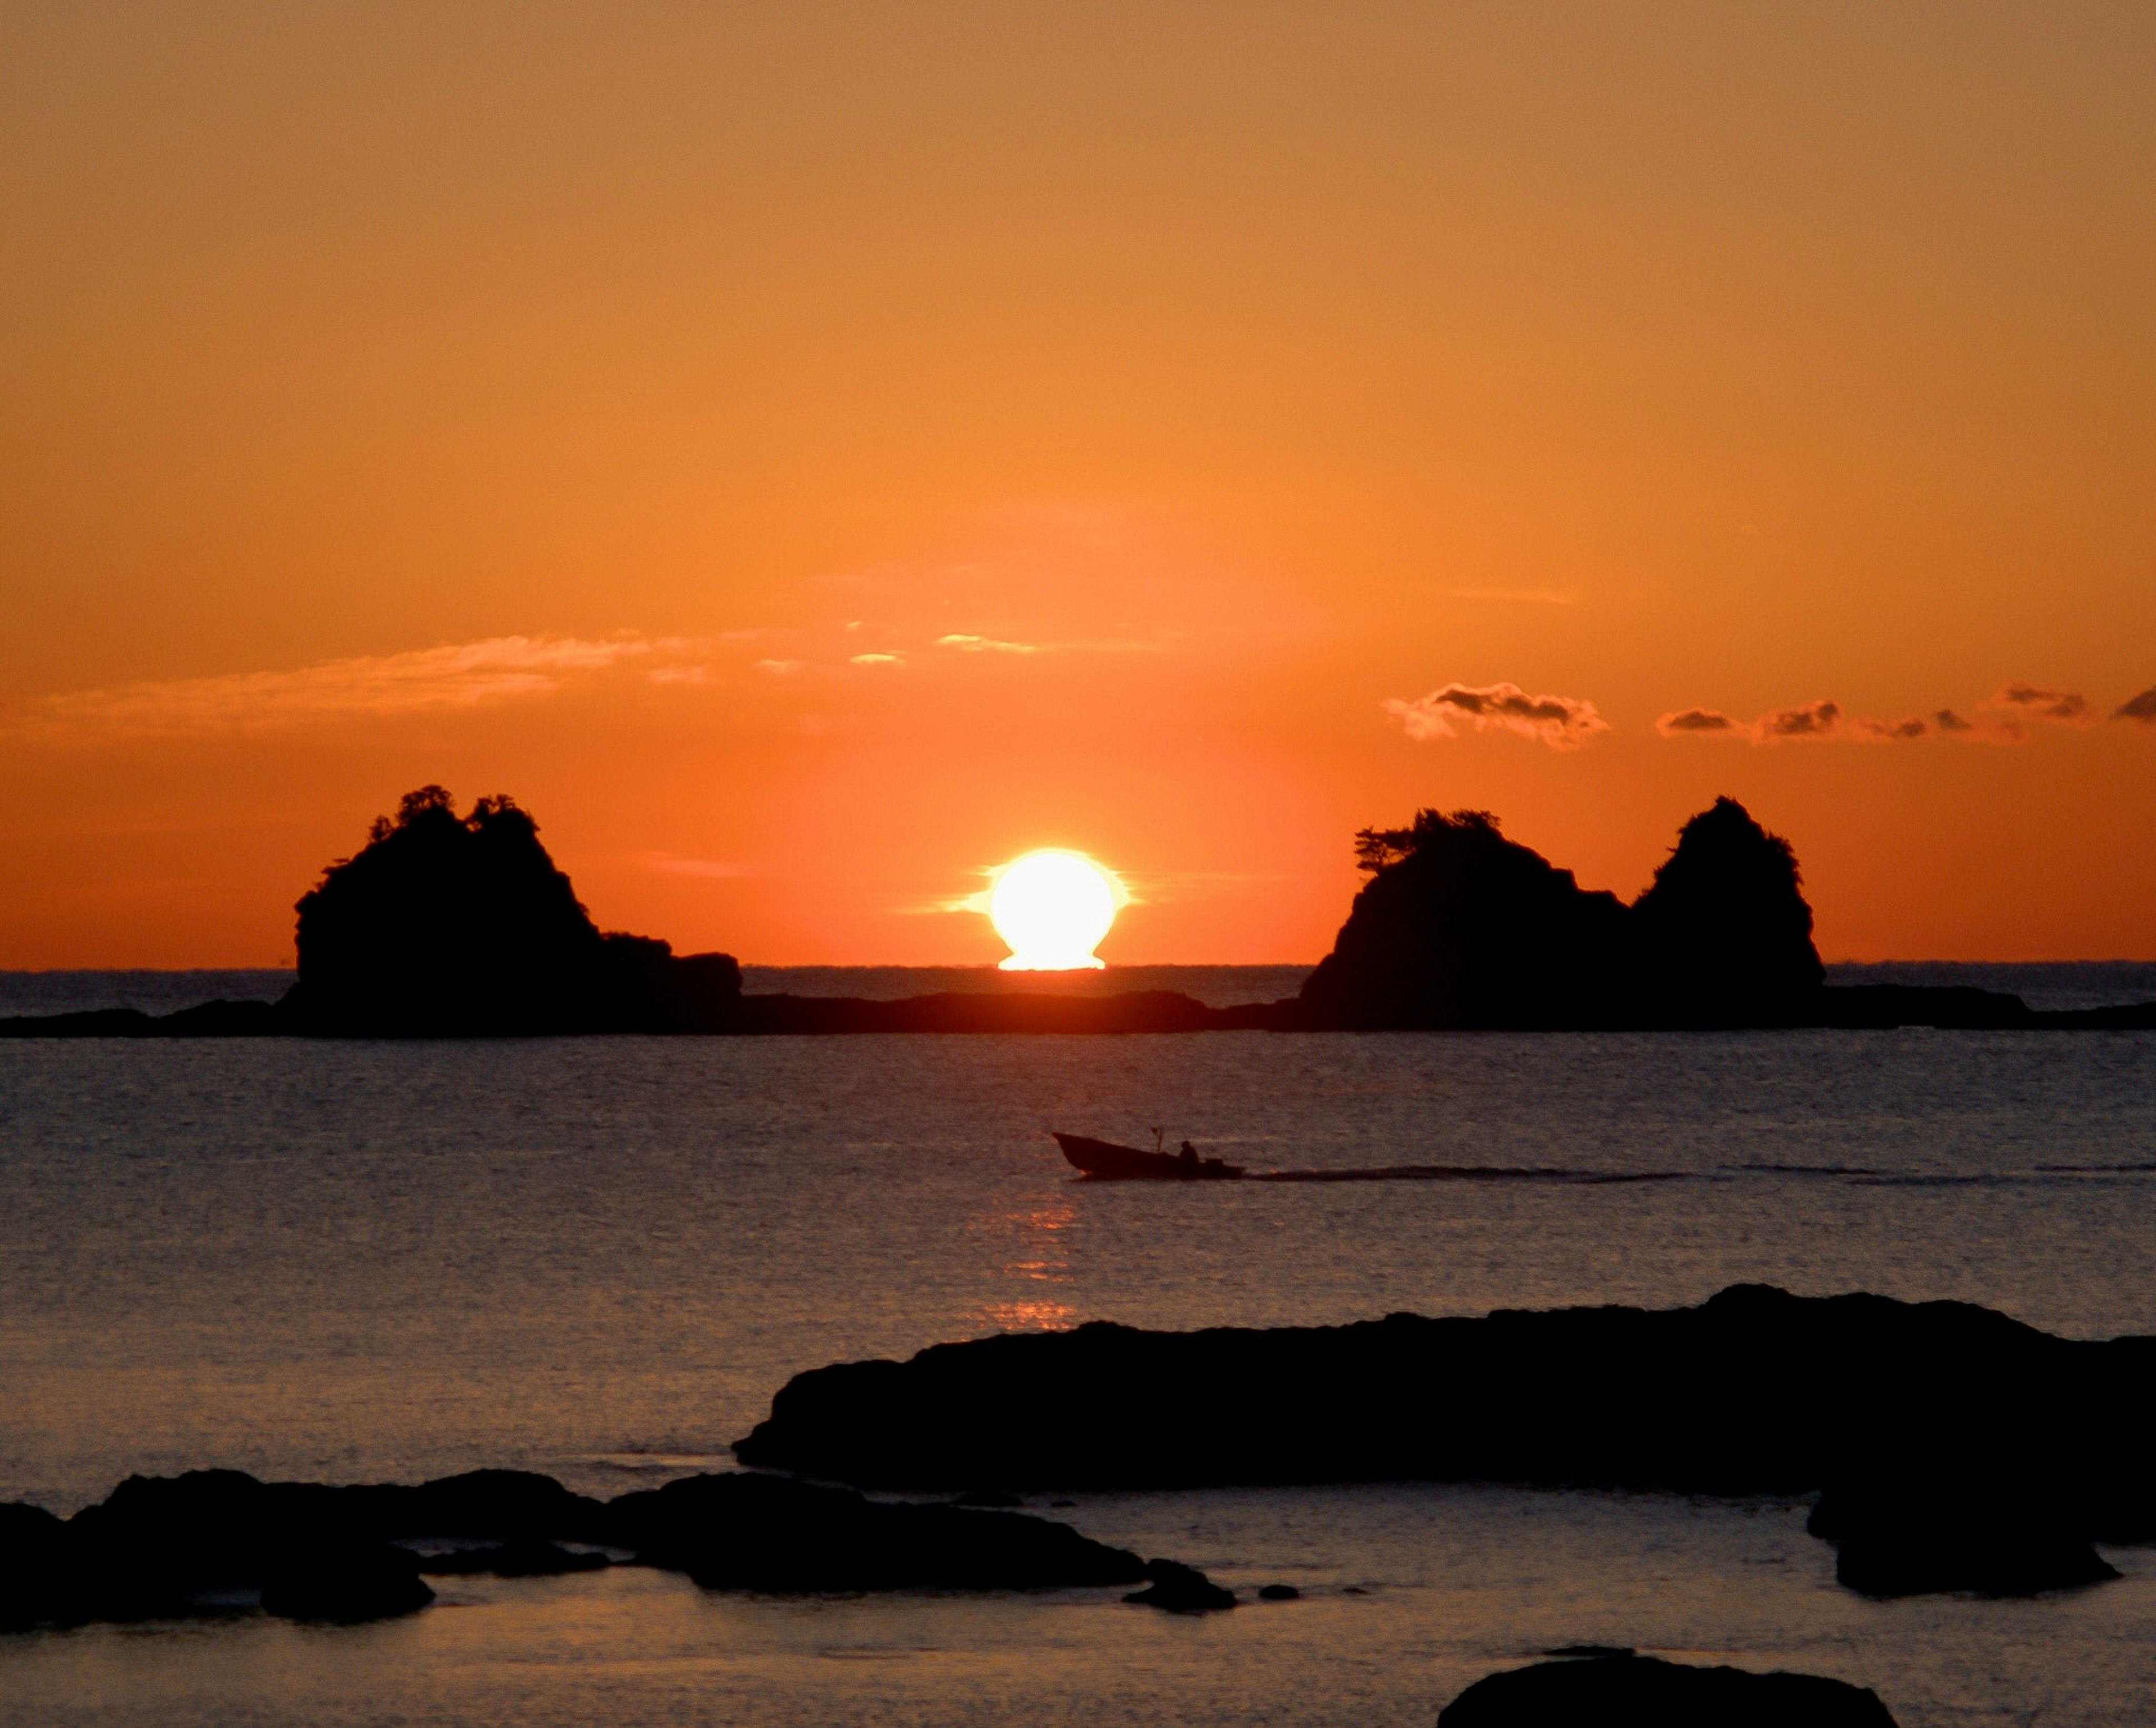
{"x": 1053, "y": 907}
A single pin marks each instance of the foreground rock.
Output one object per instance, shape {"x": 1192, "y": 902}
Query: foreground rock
{"x": 1182, "y": 1590}
{"x": 747, "y": 1532}
{"x": 1755, "y": 1391}
{"x": 207, "y": 1541}
{"x": 1643, "y": 1692}
{"x": 513, "y": 1559}
{"x": 345, "y": 1581}
{"x": 158, "y": 1547}
{"x": 1899, "y": 1533}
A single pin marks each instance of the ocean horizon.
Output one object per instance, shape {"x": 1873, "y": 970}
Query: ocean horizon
{"x": 2043, "y": 985}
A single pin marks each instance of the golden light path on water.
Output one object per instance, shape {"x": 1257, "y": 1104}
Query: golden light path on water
{"x": 1052, "y": 907}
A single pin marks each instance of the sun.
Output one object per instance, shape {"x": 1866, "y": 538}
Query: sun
{"x": 1053, "y": 907}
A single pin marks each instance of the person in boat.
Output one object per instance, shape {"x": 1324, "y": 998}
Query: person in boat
{"x": 1186, "y": 1158}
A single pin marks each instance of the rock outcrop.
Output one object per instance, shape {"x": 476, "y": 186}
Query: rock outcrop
{"x": 1722, "y": 936}
{"x": 1179, "y": 1589}
{"x": 751, "y": 1532}
{"x": 1755, "y": 1391}
{"x": 445, "y": 925}
{"x": 1644, "y": 1692}
{"x": 1948, "y": 1527}
{"x": 207, "y": 1541}
{"x": 1458, "y": 927}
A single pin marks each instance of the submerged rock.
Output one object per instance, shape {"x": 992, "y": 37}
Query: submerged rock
{"x": 754, "y": 1532}
{"x": 1644, "y": 1692}
{"x": 203, "y": 1542}
{"x": 346, "y": 1582}
{"x": 1180, "y": 1590}
{"x": 1901, "y": 1532}
{"x": 513, "y": 1559}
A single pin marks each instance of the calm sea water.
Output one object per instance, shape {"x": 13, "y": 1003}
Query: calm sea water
{"x": 2044, "y": 984}
{"x": 599, "y": 1259}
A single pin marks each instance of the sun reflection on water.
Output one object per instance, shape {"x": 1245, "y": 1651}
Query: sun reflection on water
{"x": 1028, "y": 1243}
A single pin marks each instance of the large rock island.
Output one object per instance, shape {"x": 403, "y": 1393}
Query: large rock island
{"x": 450, "y": 925}
{"x": 453, "y": 926}
{"x": 1458, "y": 927}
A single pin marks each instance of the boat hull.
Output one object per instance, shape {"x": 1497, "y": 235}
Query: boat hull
{"x": 1105, "y": 1161}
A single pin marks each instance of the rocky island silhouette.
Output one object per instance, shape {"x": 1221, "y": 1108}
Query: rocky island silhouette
{"x": 449, "y": 926}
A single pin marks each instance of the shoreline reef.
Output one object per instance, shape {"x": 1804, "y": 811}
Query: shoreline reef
{"x": 1952, "y": 1447}
{"x": 215, "y": 1542}
{"x": 449, "y": 926}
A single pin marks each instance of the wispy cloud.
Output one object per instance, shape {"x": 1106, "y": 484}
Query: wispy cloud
{"x": 1682, "y": 720}
{"x": 985, "y": 645}
{"x": 2062, "y": 707}
{"x": 1563, "y": 723}
{"x": 1886, "y": 731}
{"x": 466, "y": 674}
{"x": 1808, "y": 720}
{"x": 877, "y": 659}
{"x": 2002, "y": 718}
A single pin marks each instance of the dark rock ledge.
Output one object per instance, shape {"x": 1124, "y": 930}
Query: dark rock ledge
{"x": 211, "y": 1541}
{"x": 1627, "y": 1691}
{"x": 1958, "y": 1448}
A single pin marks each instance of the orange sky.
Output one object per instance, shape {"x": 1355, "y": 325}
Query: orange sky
{"x": 808, "y": 455}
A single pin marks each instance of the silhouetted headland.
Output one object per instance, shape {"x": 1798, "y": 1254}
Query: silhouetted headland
{"x": 1958, "y": 1448}
{"x": 449, "y": 926}
{"x": 202, "y": 1542}
{"x": 1629, "y": 1691}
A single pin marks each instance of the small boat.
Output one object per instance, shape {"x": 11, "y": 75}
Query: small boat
{"x": 1105, "y": 1161}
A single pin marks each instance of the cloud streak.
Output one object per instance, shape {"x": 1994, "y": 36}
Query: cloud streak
{"x": 1683, "y": 720}
{"x": 985, "y": 645}
{"x": 1563, "y": 723}
{"x": 460, "y": 675}
{"x": 2001, "y": 719}
{"x": 2062, "y": 707}
{"x": 1821, "y": 722}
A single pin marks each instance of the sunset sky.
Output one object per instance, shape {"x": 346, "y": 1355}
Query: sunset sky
{"x": 810, "y": 454}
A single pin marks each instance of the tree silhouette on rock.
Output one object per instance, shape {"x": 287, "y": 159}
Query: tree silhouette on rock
{"x": 1459, "y": 927}
{"x": 449, "y": 925}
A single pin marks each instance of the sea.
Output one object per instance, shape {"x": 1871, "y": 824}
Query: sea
{"x": 600, "y": 1257}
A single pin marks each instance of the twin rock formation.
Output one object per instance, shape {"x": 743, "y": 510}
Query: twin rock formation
{"x": 1458, "y": 927}
{"x": 449, "y": 925}
{"x": 446, "y": 923}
